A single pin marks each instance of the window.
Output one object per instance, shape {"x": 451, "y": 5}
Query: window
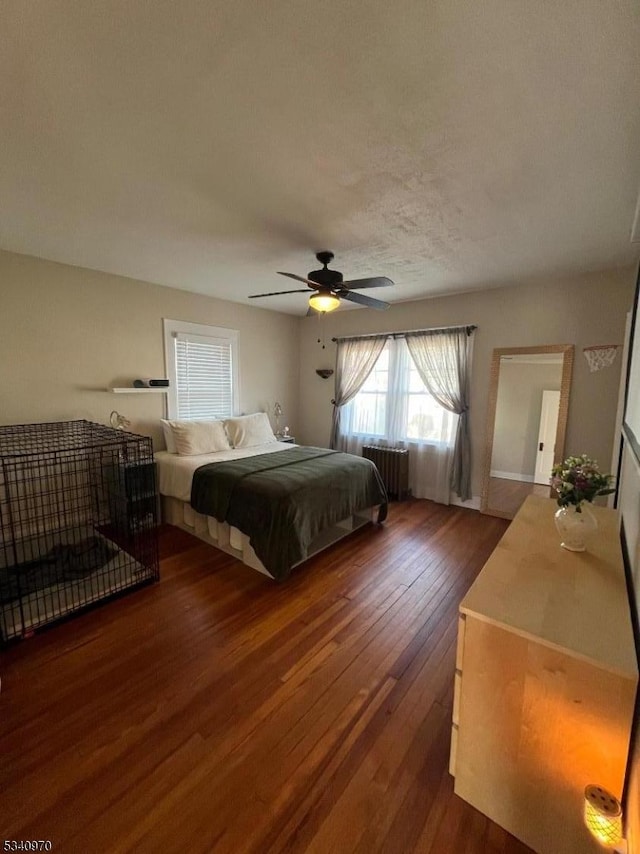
{"x": 369, "y": 414}
{"x": 394, "y": 403}
{"x": 425, "y": 417}
{"x": 202, "y": 366}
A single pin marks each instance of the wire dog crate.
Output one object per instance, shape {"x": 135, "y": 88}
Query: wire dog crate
{"x": 78, "y": 520}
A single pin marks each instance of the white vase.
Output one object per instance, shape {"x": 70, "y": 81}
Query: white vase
{"x": 575, "y": 525}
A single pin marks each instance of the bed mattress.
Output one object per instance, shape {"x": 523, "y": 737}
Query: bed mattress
{"x": 175, "y": 473}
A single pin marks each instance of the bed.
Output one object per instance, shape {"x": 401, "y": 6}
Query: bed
{"x": 272, "y": 505}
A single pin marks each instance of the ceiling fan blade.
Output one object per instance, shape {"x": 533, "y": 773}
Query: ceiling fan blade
{"x": 361, "y": 299}
{"x": 311, "y": 284}
{"x": 278, "y": 293}
{"x": 375, "y": 282}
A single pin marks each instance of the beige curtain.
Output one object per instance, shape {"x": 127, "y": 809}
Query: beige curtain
{"x": 443, "y": 360}
{"x": 355, "y": 359}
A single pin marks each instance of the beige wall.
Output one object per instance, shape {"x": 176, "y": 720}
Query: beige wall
{"x": 67, "y": 334}
{"x": 518, "y": 407}
{"x": 584, "y": 310}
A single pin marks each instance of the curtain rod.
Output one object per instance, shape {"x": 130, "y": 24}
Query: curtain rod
{"x": 469, "y": 329}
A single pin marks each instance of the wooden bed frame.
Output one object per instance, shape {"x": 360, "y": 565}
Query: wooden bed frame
{"x": 234, "y": 542}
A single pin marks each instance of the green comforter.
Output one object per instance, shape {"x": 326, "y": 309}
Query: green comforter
{"x": 283, "y": 500}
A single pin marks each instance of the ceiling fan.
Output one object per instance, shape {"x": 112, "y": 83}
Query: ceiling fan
{"x": 330, "y": 288}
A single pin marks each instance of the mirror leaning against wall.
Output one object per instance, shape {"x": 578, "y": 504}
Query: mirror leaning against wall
{"x": 526, "y": 424}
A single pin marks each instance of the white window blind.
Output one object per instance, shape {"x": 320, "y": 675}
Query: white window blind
{"x": 204, "y": 373}
{"x": 202, "y": 367}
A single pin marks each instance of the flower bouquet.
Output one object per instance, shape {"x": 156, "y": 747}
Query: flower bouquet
{"x": 579, "y": 479}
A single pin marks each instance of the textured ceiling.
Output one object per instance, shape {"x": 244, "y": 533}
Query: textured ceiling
{"x": 205, "y": 145}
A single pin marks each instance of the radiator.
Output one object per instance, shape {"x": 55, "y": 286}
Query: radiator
{"x": 393, "y": 465}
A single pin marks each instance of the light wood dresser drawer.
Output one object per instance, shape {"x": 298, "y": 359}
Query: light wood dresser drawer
{"x": 545, "y": 682}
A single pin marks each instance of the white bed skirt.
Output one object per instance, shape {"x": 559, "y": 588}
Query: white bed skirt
{"x": 234, "y": 542}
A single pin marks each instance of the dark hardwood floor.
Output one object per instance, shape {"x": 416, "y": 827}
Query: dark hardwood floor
{"x": 219, "y": 712}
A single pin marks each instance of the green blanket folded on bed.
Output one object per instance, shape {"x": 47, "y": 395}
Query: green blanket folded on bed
{"x": 283, "y": 500}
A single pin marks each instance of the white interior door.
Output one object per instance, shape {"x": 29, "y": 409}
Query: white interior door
{"x": 547, "y": 436}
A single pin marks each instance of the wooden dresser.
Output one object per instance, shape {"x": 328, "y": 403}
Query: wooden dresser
{"x": 546, "y": 677}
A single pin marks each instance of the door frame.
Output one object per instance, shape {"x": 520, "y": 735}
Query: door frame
{"x": 567, "y": 351}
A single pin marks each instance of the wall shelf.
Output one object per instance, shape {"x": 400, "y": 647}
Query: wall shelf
{"x": 127, "y": 390}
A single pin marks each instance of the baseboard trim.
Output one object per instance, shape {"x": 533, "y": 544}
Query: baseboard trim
{"x": 472, "y": 504}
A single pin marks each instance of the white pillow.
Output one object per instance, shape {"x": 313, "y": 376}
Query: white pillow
{"x": 198, "y": 437}
{"x": 249, "y": 430}
{"x": 168, "y": 436}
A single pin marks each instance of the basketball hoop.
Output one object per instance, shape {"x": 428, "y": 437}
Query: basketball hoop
{"x": 601, "y": 356}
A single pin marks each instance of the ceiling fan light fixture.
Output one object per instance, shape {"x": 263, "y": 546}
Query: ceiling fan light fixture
{"x": 330, "y": 287}
{"x": 324, "y": 301}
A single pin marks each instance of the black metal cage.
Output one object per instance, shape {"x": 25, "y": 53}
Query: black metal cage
{"x": 78, "y": 520}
